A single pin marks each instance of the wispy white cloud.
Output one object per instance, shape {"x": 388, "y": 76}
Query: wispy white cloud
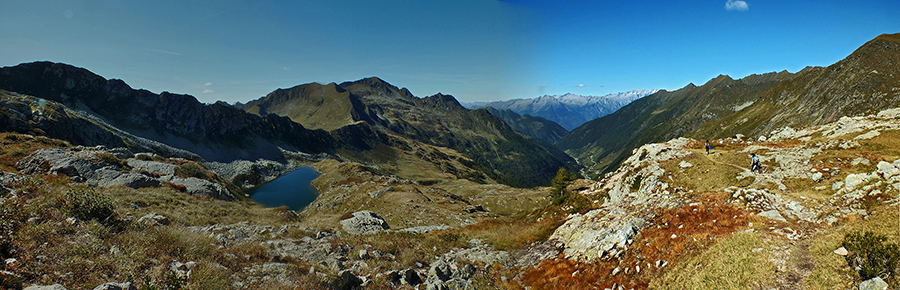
{"x": 736, "y": 5}
{"x": 543, "y": 86}
{"x": 580, "y": 86}
{"x": 207, "y": 84}
{"x": 207, "y": 91}
{"x": 162, "y": 51}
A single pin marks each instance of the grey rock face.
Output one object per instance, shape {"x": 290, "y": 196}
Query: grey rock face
{"x": 152, "y": 167}
{"x": 364, "y": 222}
{"x": 197, "y": 186}
{"x": 132, "y": 180}
{"x": 94, "y": 166}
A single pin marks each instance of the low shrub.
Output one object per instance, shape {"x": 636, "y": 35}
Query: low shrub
{"x": 191, "y": 170}
{"x": 871, "y": 256}
{"x": 87, "y": 204}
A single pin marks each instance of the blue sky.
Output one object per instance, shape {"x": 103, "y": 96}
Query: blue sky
{"x": 239, "y": 50}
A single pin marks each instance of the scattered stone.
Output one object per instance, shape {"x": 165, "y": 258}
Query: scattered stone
{"x": 616, "y": 271}
{"x": 816, "y": 177}
{"x": 182, "y": 270}
{"x": 474, "y": 208}
{"x": 426, "y": 229}
{"x": 153, "y": 219}
{"x": 364, "y": 222}
{"x": 364, "y": 254}
{"x": 860, "y": 160}
{"x": 773, "y": 214}
{"x": 685, "y": 164}
{"x": 116, "y": 286}
{"x": 841, "y": 251}
{"x": 873, "y": 284}
{"x": 411, "y": 277}
{"x": 346, "y": 281}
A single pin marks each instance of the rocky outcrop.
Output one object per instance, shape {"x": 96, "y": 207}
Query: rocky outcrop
{"x": 101, "y": 166}
{"x": 364, "y": 222}
{"x": 635, "y": 193}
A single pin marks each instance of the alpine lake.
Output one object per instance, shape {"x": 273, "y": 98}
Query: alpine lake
{"x": 293, "y": 190}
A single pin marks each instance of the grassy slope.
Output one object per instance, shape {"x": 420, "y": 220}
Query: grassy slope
{"x": 316, "y": 106}
{"x": 863, "y": 83}
{"x": 601, "y": 145}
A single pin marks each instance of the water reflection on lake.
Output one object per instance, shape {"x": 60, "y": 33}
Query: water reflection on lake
{"x": 293, "y": 190}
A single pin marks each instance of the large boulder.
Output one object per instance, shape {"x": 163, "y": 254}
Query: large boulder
{"x": 132, "y": 180}
{"x": 197, "y": 186}
{"x": 364, "y": 222}
{"x": 152, "y": 167}
{"x": 873, "y": 284}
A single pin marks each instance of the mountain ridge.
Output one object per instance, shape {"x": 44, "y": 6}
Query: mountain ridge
{"x": 569, "y": 110}
{"x": 439, "y": 120}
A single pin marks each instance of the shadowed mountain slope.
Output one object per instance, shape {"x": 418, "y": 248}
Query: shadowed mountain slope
{"x": 216, "y": 132}
{"x": 536, "y": 127}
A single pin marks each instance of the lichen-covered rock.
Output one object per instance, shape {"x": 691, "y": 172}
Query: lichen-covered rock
{"x": 116, "y": 286}
{"x": 48, "y": 287}
{"x": 132, "y": 180}
{"x": 152, "y": 167}
{"x": 364, "y": 222}
{"x": 197, "y": 186}
{"x": 153, "y": 219}
{"x": 873, "y": 284}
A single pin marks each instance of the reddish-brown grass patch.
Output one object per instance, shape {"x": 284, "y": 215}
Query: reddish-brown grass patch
{"x": 696, "y": 226}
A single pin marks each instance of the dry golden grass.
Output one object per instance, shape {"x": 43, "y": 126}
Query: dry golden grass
{"x": 511, "y": 234}
{"x": 831, "y": 270}
{"x": 731, "y": 263}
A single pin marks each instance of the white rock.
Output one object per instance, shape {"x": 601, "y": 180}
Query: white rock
{"x": 841, "y": 251}
{"x": 772, "y": 214}
{"x": 685, "y": 164}
{"x": 873, "y": 284}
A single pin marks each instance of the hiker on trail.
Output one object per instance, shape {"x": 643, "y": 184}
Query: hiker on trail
{"x": 707, "y": 147}
{"x": 754, "y": 163}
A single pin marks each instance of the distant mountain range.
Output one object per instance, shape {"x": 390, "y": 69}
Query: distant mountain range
{"x": 865, "y": 82}
{"x": 569, "y": 110}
